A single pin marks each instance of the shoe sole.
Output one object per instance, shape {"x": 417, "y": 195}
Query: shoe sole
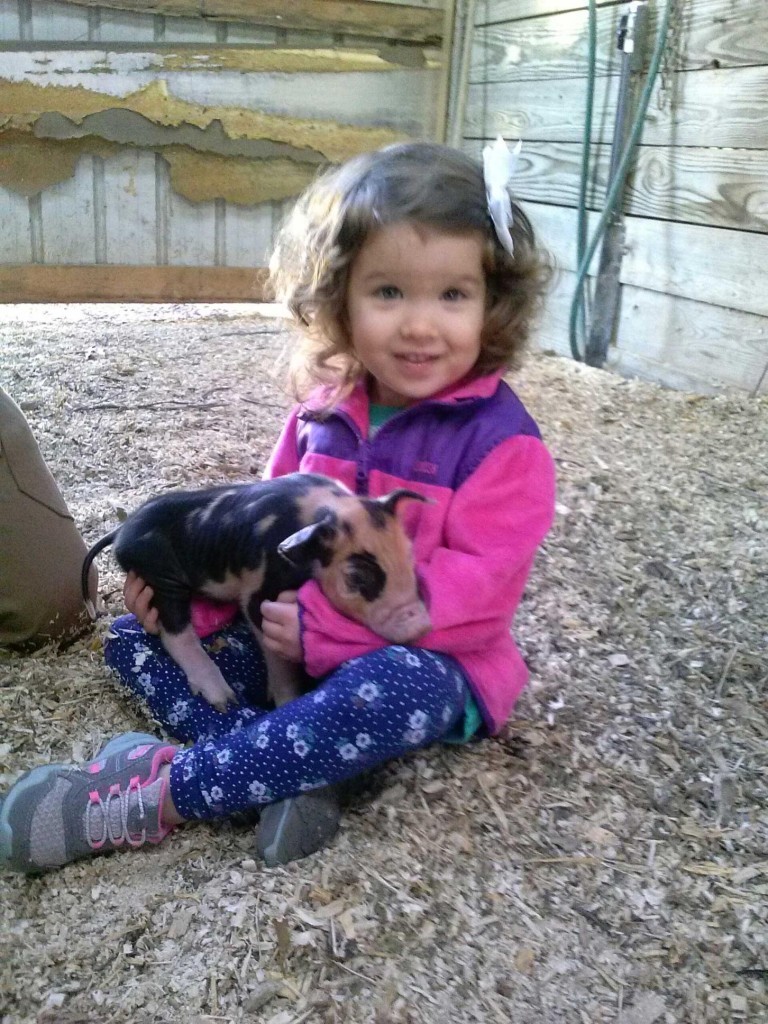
{"x": 33, "y": 777}
{"x": 296, "y": 827}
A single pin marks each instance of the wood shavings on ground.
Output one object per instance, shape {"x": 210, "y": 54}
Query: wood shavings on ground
{"x": 604, "y": 860}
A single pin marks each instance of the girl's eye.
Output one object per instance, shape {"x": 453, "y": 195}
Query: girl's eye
{"x": 388, "y": 291}
{"x": 452, "y": 294}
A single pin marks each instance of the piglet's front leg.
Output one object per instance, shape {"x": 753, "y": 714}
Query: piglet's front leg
{"x": 204, "y": 678}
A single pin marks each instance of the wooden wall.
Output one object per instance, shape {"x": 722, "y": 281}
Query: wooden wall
{"x": 143, "y": 142}
{"x": 694, "y": 310}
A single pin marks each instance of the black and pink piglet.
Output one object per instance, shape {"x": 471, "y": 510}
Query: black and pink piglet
{"x": 249, "y": 543}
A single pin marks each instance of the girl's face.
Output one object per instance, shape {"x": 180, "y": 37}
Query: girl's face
{"x": 415, "y": 309}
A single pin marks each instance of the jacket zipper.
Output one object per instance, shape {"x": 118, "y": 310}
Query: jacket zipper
{"x": 362, "y": 461}
{"x": 361, "y": 468}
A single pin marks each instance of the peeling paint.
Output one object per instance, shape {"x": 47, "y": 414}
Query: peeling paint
{"x": 29, "y": 165}
{"x": 401, "y": 20}
{"x": 294, "y": 61}
{"x": 240, "y": 155}
{"x": 200, "y": 178}
{"x": 129, "y": 128}
{"x": 22, "y": 103}
{"x": 125, "y": 60}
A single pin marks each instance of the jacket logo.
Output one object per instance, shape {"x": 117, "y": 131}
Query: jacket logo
{"x": 428, "y": 468}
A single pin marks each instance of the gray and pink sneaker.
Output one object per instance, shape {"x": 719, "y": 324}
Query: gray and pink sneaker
{"x": 58, "y": 813}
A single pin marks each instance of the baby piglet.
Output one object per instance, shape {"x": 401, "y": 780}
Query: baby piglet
{"x": 249, "y": 543}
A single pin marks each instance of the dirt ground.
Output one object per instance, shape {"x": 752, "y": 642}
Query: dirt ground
{"x": 605, "y": 860}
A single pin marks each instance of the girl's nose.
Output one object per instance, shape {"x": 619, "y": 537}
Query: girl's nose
{"x": 418, "y": 323}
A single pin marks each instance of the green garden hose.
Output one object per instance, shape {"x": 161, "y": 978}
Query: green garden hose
{"x": 581, "y": 229}
{"x": 584, "y": 257}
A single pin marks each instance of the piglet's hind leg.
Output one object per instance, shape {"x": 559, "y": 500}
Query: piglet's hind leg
{"x": 204, "y": 678}
{"x": 284, "y": 678}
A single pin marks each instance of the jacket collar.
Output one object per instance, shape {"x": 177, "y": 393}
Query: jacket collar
{"x": 356, "y": 405}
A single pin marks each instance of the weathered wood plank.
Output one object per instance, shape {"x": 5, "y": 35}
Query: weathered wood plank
{"x": 679, "y": 343}
{"x": 723, "y": 33}
{"x": 689, "y": 343}
{"x": 367, "y": 17}
{"x": 720, "y": 188}
{"x": 248, "y": 235}
{"x": 192, "y": 30}
{"x": 15, "y": 234}
{"x": 515, "y": 10}
{"x": 715, "y": 187}
{"x": 249, "y": 35}
{"x": 555, "y": 230}
{"x": 724, "y": 268}
{"x": 201, "y": 58}
{"x": 10, "y": 28}
{"x": 50, "y": 20}
{"x": 191, "y": 231}
{"x": 714, "y": 33}
{"x": 554, "y": 47}
{"x": 552, "y": 112}
{"x": 124, "y": 26}
{"x": 26, "y": 283}
{"x": 129, "y": 208}
{"x": 400, "y": 102}
{"x": 67, "y": 215}
{"x": 436, "y": 5}
{"x": 726, "y": 108}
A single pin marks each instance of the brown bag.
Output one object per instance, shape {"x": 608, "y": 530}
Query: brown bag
{"x": 41, "y": 552}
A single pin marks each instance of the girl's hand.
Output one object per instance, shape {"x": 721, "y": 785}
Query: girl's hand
{"x": 280, "y": 626}
{"x": 137, "y": 596}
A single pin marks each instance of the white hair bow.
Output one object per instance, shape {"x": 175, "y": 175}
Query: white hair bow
{"x": 499, "y": 164}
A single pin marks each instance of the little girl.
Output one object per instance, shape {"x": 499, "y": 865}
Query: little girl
{"x": 413, "y": 279}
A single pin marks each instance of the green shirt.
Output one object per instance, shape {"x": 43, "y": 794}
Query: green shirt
{"x": 380, "y": 414}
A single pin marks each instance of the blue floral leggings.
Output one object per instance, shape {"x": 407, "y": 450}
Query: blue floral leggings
{"x": 370, "y": 710}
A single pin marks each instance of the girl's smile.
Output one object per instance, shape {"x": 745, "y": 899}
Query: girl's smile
{"x": 415, "y": 309}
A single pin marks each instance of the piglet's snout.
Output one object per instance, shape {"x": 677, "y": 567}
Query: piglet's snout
{"x": 404, "y": 624}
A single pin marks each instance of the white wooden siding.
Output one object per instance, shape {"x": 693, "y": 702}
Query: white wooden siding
{"x": 694, "y": 306}
{"x": 120, "y": 208}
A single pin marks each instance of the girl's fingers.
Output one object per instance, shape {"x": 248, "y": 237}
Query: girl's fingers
{"x": 131, "y": 589}
{"x": 277, "y": 612}
{"x": 280, "y": 629}
{"x": 270, "y": 629}
{"x": 138, "y": 599}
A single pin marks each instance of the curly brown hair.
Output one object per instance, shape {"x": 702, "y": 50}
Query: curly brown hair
{"x": 426, "y": 183}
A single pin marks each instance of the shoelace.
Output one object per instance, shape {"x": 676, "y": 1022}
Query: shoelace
{"x": 106, "y": 818}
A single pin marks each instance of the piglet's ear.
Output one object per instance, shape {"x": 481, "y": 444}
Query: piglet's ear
{"x": 308, "y": 545}
{"x": 390, "y": 501}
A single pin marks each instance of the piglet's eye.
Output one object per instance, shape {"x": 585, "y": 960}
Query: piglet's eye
{"x": 365, "y": 576}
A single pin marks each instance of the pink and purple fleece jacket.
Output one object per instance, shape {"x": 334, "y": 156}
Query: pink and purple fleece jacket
{"x": 475, "y": 451}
